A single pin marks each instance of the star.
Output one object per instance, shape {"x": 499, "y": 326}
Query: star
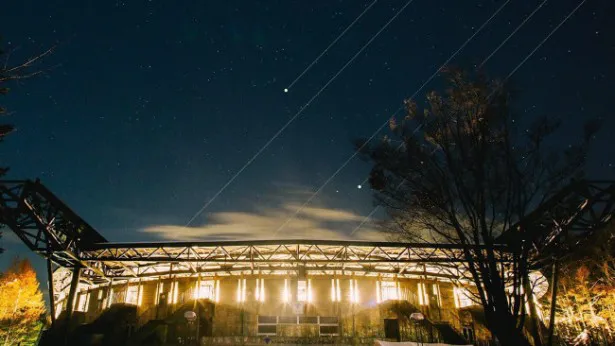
{"x": 359, "y": 186}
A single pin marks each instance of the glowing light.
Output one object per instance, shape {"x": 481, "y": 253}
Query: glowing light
{"x": 378, "y": 295}
{"x": 132, "y": 295}
{"x": 359, "y": 186}
{"x": 389, "y": 290}
{"x": 309, "y": 292}
{"x": 423, "y": 298}
{"x": 59, "y": 309}
{"x": 110, "y": 301}
{"x": 159, "y": 290}
{"x": 175, "y": 292}
{"x": 140, "y": 297}
{"x": 217, "y": 291}
{"x": 241, "y": 290}
{"x": 259, "y": 292}
{"x": 338, "y": 291}
{"x": 205, "y": 290}
{"x": 286, "y": 292}
{"x": 462, "y": 297}
{"x": 302, "y": 294}
{"x": 436, "y": 290}
{"x": 354, "y": 291}
{"x": 285, "y": 90}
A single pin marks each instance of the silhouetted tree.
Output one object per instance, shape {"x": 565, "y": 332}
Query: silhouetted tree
{"x": 12, "y": 73}
{"x": 464, "y": 176}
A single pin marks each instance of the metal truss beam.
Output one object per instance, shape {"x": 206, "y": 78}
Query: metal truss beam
{"x": 566, "y": 219}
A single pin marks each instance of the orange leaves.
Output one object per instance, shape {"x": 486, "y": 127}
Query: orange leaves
{"x": 21, "y": 302}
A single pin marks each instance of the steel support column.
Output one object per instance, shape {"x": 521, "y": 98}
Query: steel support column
{"x": 72, "y": 293}
{"x": 554, "y": 278}
{"x": 52, "y": 303}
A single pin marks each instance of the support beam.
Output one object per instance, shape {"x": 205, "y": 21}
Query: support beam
{"x": 52, "y": 303}
{"x": 72, "y": 293}
{"x": 554, "y": 279}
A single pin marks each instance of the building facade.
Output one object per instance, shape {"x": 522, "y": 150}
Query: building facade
{"x": 294, "y": 289}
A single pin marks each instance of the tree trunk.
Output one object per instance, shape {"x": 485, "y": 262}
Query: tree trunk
{"x": 503, "y": 326}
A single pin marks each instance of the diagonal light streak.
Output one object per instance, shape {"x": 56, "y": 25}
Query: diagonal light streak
{"x": 387, "y": 121}
{"x": 294, "y": 117}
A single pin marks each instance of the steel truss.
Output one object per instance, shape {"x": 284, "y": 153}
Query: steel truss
{"x": 77, "y": 253}
{"x": 125, "y": 260}
{"x": 565, "y": 220}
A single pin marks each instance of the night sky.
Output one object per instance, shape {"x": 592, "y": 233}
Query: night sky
{"x": 150, "y": 107}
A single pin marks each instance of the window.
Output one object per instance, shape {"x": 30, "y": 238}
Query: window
{"x": 389, "y": 290}
{"x": 83, "y": 302}
{"x": 287, "y": 319}
{"x": 267, "y": 319}
{"x": 329, "y": 326}
{"x": 463, "y": 297}
{"x": 132, "y": 295}
{"x": 267, "y": 325}
{"x": 266, "y": 329}
{"x": 329, "y": 330}
{"x": 304, "y": 291}
{"x": 308, "y": 319}
{"x": 286, "y": 292}
{"x": 206, "y": 289}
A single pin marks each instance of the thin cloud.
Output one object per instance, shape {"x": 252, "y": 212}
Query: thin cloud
{"x": 312, "y": 223}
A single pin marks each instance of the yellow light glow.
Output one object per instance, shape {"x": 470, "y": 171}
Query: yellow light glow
{"x": 388, "y": 290}
{"x": 422, "y": 293}
{"x": 378, "y": 296}
{"x": 462, "y": 297}
{"x": 436, "y": 290}
{"x": 110, "y": 300}
{"x": 139, "y": 295}
{"x": 354, "y": 291}
{"x": 309, "y": 292}
{"x": 332, "y": 290}
{"x": 338, "y": 290}
{"x": 302, "y": 294}
{"x": 286, "y": 292}
{"x": 241, "y": 290}
{"x": 217, "y": 291}
{"x": 257, "y": 291}
{"x": 175, "y": 292}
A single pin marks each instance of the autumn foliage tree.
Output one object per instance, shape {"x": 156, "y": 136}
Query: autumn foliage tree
{"x": 461, "y": 172}
{"x": 21, "y": 304}
{"x": 586, "y": 298}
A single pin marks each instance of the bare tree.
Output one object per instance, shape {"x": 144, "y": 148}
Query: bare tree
{"x": 465, "y": 176}
{"x": 10, "y": 73}
{"x": 14, "y": 73}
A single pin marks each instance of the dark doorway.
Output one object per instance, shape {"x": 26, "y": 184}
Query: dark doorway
{"x": 391, "y": 329}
